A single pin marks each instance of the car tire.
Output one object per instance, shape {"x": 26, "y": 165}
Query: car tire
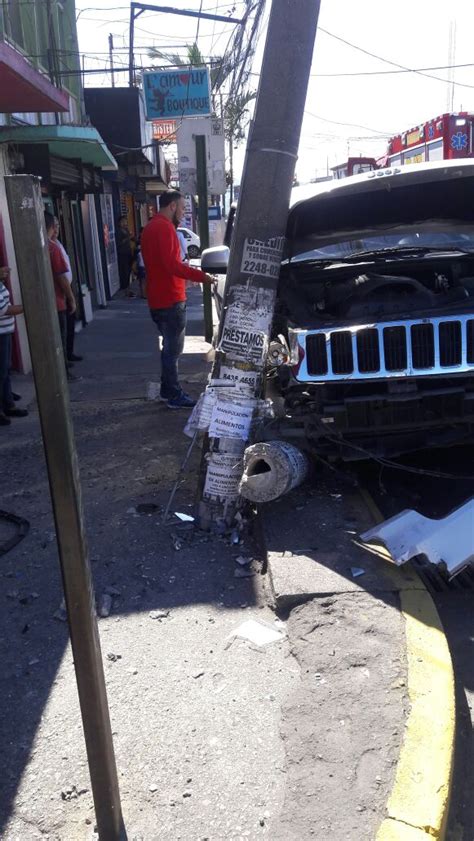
{"x": 193, "y": 252}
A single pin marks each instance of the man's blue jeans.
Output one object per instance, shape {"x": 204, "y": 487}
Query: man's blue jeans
{"x": 171, "y": 324}
{"x": 6, "y": 397}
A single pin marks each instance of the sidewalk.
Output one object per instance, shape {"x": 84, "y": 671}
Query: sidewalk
{"x": 216, "y": 738}
{"x": 195, "y": 715}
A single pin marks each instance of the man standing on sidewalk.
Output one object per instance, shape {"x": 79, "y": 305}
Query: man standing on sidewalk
{"x": 64, "y": 296}
{"x": 165, "y": 284}
{"x": 125, "y": 255}
{"x": 71, "y": 316}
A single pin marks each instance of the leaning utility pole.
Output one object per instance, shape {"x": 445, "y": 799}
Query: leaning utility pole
{"x": 37, "y": 291}
{"x": 256, "y": 253}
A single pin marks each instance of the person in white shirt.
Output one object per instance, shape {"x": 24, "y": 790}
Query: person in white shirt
{"x": 8, "y": 311}
{"x": 71, "y": 316}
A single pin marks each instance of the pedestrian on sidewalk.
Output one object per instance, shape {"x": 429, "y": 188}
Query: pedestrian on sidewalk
{"x": 65, "y": 301}
{"x": 141, "y": 273}
{"x": 125, "y": 255}
{"x": 70, "y": 316}
{"x": 8, "y": 311}
{"x": 165, "y": 284}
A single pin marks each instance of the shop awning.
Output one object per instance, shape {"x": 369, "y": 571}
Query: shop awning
{"x": 155, "y": 186}
{"x": 24, "y": 88}
{"x": 69, "y": 141}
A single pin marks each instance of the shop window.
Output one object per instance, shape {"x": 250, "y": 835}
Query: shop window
{"x": 12, "y": 11}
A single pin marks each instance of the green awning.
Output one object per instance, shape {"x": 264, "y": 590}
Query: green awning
{"x": 69, "y": 141}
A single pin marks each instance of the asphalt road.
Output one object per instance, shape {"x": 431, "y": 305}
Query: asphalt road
{"x": 393, "y": 491}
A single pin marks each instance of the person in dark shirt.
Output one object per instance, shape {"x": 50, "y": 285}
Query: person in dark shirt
{"x": 124, "y": 254}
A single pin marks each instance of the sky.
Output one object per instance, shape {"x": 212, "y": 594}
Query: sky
{"x": 349, "y": 114}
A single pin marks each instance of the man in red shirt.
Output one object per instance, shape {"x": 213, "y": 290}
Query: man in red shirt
{"x": 166, "y": 276}
{"x": 64, "y": 296}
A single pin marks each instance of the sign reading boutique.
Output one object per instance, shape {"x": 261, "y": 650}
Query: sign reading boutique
{"x": 177, "y": 93}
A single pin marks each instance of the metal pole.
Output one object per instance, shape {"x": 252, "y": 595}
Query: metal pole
{"x": 29, "y": 236}
{"x": 111, "y": 54}
{"x": 201, "y": 167}
{"x": 257, "y": 247}
{"x": 131, "y": 74}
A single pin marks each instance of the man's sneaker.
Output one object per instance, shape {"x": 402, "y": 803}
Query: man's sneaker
{"x": 183, "y": 401}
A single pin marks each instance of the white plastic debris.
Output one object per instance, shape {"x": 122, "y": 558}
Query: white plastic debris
{"x": 448, "y": 542}
{"x": 185, "y": 518}
{"x": 258, "y": 632}
{"x": 272, "y": 469}
{"x": 356, "y": 571}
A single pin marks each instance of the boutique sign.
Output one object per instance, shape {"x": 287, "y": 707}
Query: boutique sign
{"x": 177, "y": 93}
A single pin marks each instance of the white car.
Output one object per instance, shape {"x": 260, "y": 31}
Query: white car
{"x": 192, "y": 241}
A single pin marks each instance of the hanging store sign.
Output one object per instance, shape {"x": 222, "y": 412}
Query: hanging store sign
{"x": 213, "y": 130}
{"x": 177, "y": 93}
{"x": 164, "y": 130}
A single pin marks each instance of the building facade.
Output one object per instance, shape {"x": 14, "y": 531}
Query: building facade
{"x": 44, "y": 131}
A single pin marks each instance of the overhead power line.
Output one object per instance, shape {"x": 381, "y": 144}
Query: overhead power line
{"x": 388, "y": 61}
{"x": 354, "y": 125}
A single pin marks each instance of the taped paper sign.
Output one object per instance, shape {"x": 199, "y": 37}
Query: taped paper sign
{"x": 223, "y": 476}
{"x": 200, "y": 417}
{"x": 244, "y": 345}
{"x": 242, "y": 380}
{"x": 250, "y": 308}
{"x": 262, "y": 257}
{"x": 232, "y": 419}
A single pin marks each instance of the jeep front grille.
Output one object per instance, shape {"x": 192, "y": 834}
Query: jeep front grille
{"x": 414, "y": 348}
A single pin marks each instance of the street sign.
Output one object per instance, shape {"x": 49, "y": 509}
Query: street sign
{"x": 164, "y": 130}
{"x": 177, "y": 93}
{"x": 213, "y": 130}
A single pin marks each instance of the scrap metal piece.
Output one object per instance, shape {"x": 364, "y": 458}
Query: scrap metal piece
{"x": 447, "y": 542}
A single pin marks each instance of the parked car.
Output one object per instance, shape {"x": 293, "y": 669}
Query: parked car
{"x": 192, "y": 241}
{"x": 375, "y": 309}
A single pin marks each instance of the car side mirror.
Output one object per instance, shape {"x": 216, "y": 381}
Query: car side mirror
{"x": 215, "y": 260}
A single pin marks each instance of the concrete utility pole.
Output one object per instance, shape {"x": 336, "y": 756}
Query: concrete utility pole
{"x": 111, "y": 56}
{"x": 37, "y": 291}
{"x": 256, "y": 251}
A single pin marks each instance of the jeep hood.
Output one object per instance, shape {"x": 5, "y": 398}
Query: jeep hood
{"x": 385, "y": 200}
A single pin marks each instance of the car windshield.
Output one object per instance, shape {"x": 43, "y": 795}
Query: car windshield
{"x": 461, "y": 237}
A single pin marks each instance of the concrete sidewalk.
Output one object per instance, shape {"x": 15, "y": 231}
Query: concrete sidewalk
{"x": 216, "y": 737}
{"x": 195, "y": 712}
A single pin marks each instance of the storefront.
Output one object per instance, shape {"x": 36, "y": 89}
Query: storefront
{"x": 69, "y": 160}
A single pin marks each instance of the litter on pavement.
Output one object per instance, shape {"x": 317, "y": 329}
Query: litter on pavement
{"x": 258, "y": 632}
{"x": 447, "y": 542}
{"x": 356, "y": 571}
{"x": 185, "y": 518}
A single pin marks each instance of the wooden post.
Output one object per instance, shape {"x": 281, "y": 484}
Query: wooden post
{"x": 37, "y": 290}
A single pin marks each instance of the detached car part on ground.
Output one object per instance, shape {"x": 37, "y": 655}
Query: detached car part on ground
{"x": 372, "y": 350}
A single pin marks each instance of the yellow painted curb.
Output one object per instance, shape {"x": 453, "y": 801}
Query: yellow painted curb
{"x": 420, "y": 795}
{"x": 418, "y": 806}
{"x": 395, "y": 831}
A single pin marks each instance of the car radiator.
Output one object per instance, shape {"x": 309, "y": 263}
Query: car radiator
{"x": 413, "y": 348}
